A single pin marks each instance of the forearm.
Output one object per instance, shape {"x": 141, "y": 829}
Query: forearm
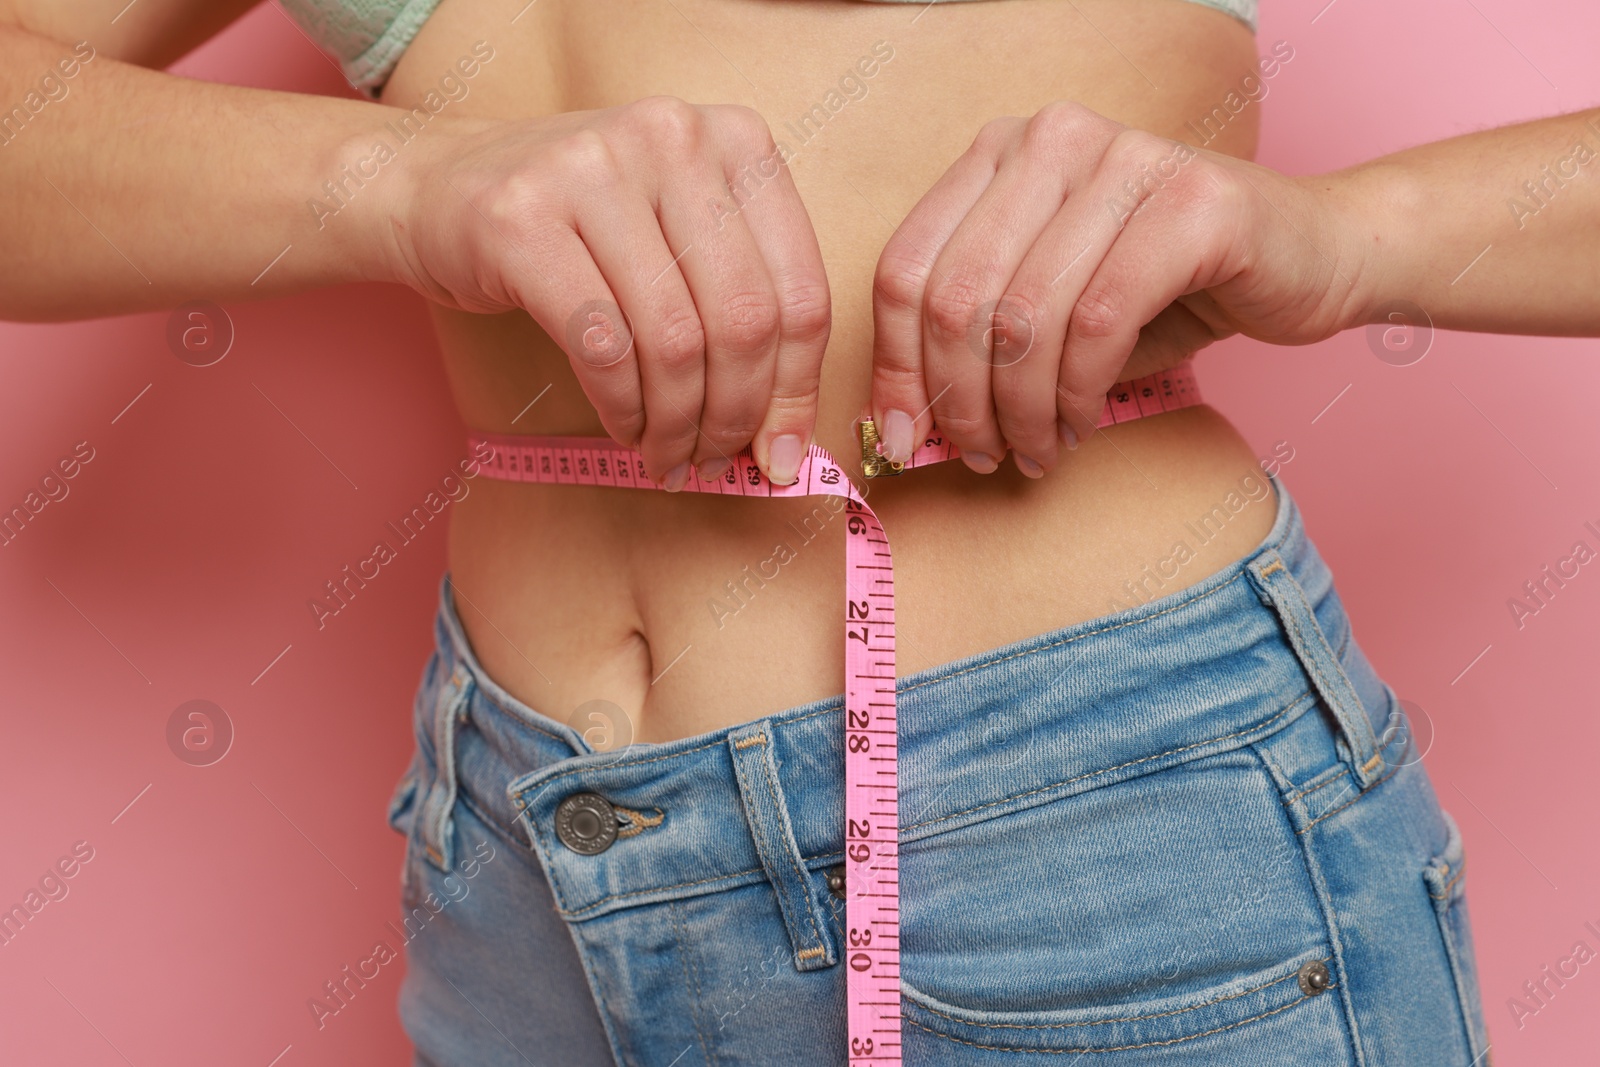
{"x": 132, "y": 189}
{"x": 1496, "y": 231}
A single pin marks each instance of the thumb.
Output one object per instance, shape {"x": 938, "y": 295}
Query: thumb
{"x": 1167, "y": 340}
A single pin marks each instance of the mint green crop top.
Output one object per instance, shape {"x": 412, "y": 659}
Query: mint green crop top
{"x": 369, "y": 36}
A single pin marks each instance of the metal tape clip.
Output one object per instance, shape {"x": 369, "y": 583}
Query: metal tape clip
{"x": 874, "y": 465}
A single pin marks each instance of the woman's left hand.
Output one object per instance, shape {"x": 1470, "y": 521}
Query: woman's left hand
{"x": 1063, "y": 253}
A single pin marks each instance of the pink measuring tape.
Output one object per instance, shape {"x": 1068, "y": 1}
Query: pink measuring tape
{"x": 871, "y": 769}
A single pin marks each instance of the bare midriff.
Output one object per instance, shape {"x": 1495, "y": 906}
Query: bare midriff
{"x": 692, "y": 613}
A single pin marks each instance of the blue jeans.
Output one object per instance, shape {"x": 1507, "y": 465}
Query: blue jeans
{"x": 1190, "y": 832}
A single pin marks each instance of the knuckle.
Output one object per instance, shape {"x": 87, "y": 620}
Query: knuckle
{"x": 673, "y": 124}
{"x": 1066, "y": 132}
{"x": 807, "y": 311}
{"x": 964, "y": 425}
{"x": 1098, "y": 314}
{"x": 1130, "y": 149}
{"x": 798, "y": 410}
{"x": 1206, "y": 190}
{"x": 1054, "y": 126}
{"x": 997, "y": 133}
{"x": 952, "y": 307}
{"x": 680, "y": 340}
{"x": 748, "y": 123}
{"x": 1022, "y": 312}
{"x": 899, "y": 380}
{"x": 748, "y": 323}
{"x": 586, "y": 156}
{"x": 1080, "y": 121}
{"x": 1065, "y": 114}
{"x": 733, "y": 429}
{"x": 627, "y": 425}
{"x": 518, "y": 201}
{"x": 597, "y": 338}
{"x": 898, "y": 283}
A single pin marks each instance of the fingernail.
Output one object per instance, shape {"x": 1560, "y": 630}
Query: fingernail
{"x": 785, "y": 459}
{"x": 981, "y": 462}
{"x": 1027, "y": 466}
{"x": 676, "y": 478}
{"x": 895, "y": 433}
{"x": 1068, "y": 437}
{"x": 711, "y": 469}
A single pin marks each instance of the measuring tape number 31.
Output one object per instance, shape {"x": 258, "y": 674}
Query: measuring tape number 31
{"x": 871, "y": 770}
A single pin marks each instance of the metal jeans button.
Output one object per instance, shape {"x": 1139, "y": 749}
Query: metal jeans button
{"x": 1314, "y": 978}
{"x": 586, "y": 823}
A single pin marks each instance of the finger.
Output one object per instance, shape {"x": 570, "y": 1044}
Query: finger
{"x": 978, "y": 324}
{"x": 544, "y": 266}
{"x": 1172, "y": 224}
{"x": 625, "y": 239}
{"x": 763, "y": 194}
{"x": 734, "y": 293}
{"x": 900, "y": 396}
{"x": 591, "y": 329}
{"x": 1048, "y": 282}
{"x": 1167, "y": 340}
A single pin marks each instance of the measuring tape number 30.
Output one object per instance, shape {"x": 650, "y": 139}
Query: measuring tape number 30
{"x": 871, "y": 765}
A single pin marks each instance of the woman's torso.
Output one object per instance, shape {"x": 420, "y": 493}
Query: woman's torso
{"x": 667, "y": 605}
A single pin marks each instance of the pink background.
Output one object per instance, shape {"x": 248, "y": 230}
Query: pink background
{"x": 184, "y": 555}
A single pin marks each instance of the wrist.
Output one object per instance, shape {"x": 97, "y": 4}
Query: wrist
{"x": 1374, "y": 207}
{"x": 380, "y": 174}
{"x": 349, "y": 202}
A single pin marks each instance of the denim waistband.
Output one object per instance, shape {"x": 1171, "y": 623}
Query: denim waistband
{"x": 1221, "y": 664}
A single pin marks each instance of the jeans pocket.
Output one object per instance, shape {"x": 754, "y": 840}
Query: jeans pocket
{"x": 1445, "y": 877}
{"x": 1166, "y": 915}
{"x": 1290, "y": 1005}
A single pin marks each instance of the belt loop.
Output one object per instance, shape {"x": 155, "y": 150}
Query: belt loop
{"x": 1274, "y": 579}
{"x": 768, "y": 818}
{"x": 434, "y": 823}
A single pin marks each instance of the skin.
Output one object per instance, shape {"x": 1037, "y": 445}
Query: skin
{"x": 557, "y": 219}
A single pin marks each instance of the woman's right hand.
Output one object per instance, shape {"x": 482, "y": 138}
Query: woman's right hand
{"x": 724, "y": 307}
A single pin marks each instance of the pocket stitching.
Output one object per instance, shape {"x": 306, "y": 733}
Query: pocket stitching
{"x": 1103, "y": 1022}
{"x": 1119, "y": 1048}
{"x": 1346, "y": 804}
{"x": 1289, "y": 801}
